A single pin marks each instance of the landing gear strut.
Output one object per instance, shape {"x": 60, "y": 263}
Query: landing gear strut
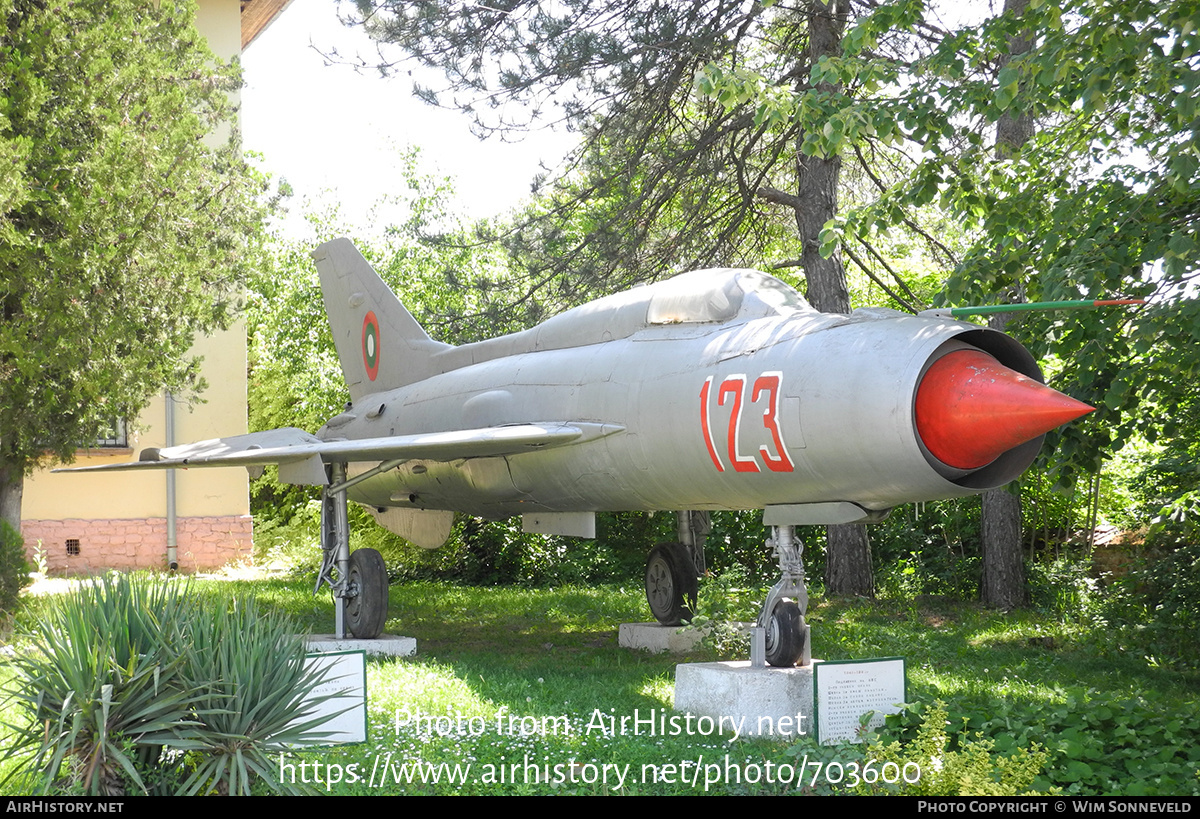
{"x": 359, "y": 580}
{"x": 782, "y": 614}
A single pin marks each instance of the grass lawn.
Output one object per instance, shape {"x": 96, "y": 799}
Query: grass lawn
{"x": 546, "y": 664}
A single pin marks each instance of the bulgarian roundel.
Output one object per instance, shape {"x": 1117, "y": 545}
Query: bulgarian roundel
{"x": 370, "y": 344}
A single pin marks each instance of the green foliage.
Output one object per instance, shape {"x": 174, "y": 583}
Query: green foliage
{"x": 1153, "y": 599}
{"x": 975, "y": 767}
{"x": 1152, "y": 609}
{"x": 929, "y": 549}
{"x": 132, "y": 683}
{"x": 1171, "y": 588}
{"x": 247, "y": 667}
{"x": 100, "y": 687}
{"x": 498, "y": 552}
{"x": 1165, "y": 481}
{"x": 1066, "y": 588}
{"x": 1090, "y": 743}
{"x": 122, "y": 232}
{"x": 726, "y": 600}
{"x": 14, "y": 569}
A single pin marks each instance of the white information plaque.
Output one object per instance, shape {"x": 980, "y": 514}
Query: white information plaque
{"x": 844, "y": 690}
{"x": 346, "y": 680}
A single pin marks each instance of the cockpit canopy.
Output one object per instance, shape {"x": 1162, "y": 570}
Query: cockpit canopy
{"x": 719, "y": 295}
{"x": 700, "y": 297}
{"x": 712, "y": 296}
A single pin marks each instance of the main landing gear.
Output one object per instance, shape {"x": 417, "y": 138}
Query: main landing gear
{"x": 783, "y": 611}
{"x": 673, "y": 571}
{"x": 359, "y": 580}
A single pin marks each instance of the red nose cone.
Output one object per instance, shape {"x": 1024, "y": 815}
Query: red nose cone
{"x": 971, "y": 409}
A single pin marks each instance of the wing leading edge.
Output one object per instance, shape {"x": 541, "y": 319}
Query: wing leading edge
{"x": 301, "y": 456}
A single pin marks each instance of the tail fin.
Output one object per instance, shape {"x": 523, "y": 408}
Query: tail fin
{"x": 380, "y": 344}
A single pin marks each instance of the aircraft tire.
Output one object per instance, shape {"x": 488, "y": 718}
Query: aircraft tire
{"x": 785, "y": 635}
{"x": 670, "y": 586}
{"x": 366, "y": 613}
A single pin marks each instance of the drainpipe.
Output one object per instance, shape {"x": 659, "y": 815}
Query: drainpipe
{"x": 172, "y": 556}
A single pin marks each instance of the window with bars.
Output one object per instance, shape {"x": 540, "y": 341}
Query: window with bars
{"x": 114, "y": 436}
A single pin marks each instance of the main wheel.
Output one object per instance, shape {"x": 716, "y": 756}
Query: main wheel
{"x": 366, "y": 612}
{"x": 785, "y": 635}
{"x": 670, "y": 585}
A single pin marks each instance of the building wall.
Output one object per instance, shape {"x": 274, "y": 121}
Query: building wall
{"x": 88, "y": 523}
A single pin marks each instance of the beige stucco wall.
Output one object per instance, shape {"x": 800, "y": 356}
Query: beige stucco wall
{"x": 143, "y": 495}
{"x": 119, "y": 518}
{"x": 220, "y": 21}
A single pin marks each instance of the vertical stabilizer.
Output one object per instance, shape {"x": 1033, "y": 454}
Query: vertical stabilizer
{"x": 380, "y": 344}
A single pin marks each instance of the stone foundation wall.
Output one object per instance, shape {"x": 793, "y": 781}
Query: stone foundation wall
{"x": 93, "y": 546}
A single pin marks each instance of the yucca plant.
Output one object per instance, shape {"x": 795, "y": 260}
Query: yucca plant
{"x": 250, "y": 668}
{"x": 132, "y": 683}
{"x": 97, "y": 686}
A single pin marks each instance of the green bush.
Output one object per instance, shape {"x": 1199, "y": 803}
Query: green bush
{"x": 248, "y": 669}
{"x": 928, "y": 549}
{"x": 14, "y": 570}
{"x": 1170, "y": 587}
{"x": 1065, "y": 588}
{"x": 725, "y": 600}
{"x": 1095, "y": 744}
{"x": 1154, "y": 607}
{"x": 135, "y": 684}
{"x": 973, "y": 768}
{"x": 99, "y": 687}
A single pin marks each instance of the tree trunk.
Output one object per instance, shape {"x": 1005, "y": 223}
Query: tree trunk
{"x": 1013, "y": 132}
{"x": 817, "y": 177}
{"x": 12, "y": 488}
{"x": 848, "y": 554}
{"x": 848, "y": 561}
{"x": 1003, "y": 582}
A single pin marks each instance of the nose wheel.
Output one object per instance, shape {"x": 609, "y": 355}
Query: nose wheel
{"x": 786, "y": 635}
{"x": 782, "y": 614}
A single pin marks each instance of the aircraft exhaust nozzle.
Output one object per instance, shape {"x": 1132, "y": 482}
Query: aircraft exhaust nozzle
{"x": 971, "y": 409}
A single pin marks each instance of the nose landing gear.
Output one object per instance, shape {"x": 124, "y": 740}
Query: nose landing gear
{"x": 782, "y": 614}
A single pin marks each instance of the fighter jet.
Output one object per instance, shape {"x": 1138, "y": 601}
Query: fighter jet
{"x": 713, "y": 390}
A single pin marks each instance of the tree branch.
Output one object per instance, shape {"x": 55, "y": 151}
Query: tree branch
{"x": 779, "y": 197}
{"x": 854, "y": 258}
{"x": 879, "y": 258}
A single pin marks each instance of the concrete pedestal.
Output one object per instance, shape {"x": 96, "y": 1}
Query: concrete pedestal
{"x": 764, "y": 701}
{"x": 657, "y": 638}
{"x": 385, "y": 645}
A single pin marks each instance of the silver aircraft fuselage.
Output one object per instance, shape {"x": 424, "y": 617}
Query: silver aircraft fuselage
{"x": 716, "y": 389}
{"x": 776, "y": 404}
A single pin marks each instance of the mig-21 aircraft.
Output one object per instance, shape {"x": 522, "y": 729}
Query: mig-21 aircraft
{"x": 713, "y": 390}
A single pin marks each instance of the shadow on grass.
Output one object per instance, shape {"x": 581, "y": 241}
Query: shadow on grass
{"x": 524, "y": 691}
